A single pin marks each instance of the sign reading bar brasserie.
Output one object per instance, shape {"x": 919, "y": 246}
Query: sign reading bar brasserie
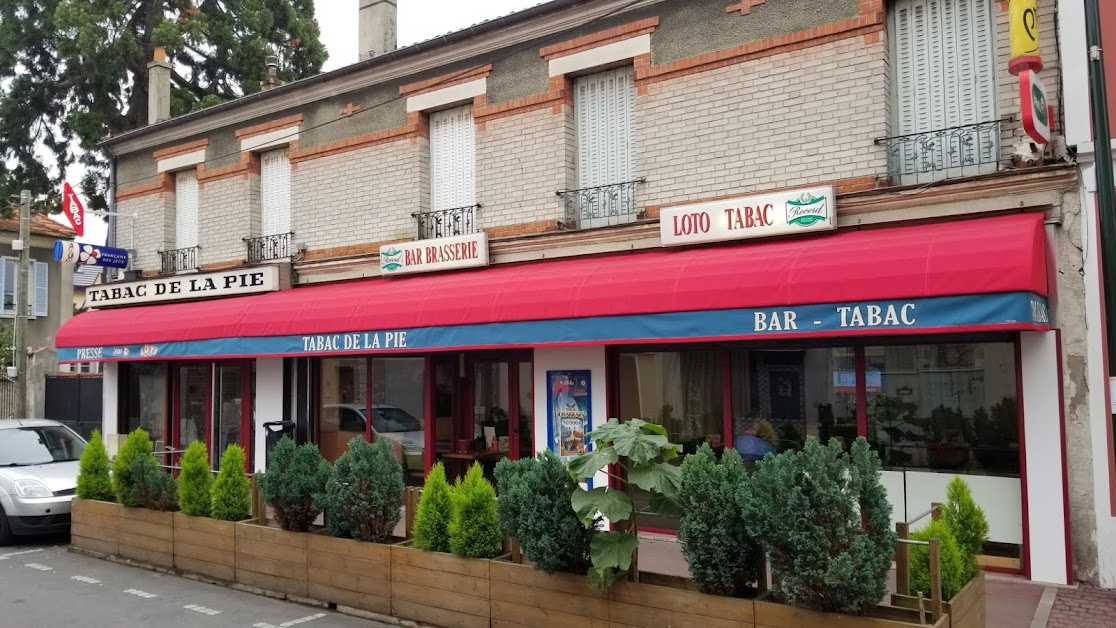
{"x": 424, "y": 256}
{"x": 229, "y": 283}
{"x": 754, "y": 216}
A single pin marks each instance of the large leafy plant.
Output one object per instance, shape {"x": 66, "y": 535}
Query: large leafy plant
{"x": 295, "y": 479}
{"x": 825, "y": 522}
{"x": 365, "y": 492}
{"x": 641, "y": 451}
{"x": 93, "y": 480}
{"x": 195, "y": 481}
{"x": 534, "y": 510}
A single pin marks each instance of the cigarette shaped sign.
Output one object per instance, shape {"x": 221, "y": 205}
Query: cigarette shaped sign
{"x": 72, "y": 207}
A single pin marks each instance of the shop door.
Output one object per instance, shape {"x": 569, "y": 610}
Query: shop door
{"x": 191, "y": 405}
{"x": 232, "y": 411}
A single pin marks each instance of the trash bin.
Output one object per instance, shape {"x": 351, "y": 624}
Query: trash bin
{"x": 275, "y": 431}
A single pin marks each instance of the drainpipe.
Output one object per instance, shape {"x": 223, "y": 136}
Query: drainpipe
{"x": 1106, "y": 188}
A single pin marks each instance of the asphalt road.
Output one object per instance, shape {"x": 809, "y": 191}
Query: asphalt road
{"x": 42, "y": 585}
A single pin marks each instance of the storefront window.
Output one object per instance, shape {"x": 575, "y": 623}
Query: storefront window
{"x": 146, "y": 400}
{"x": 193, "y": 395}
{"x": 526, "y": 411}
{"x": 227, "y": 402}
{"x": 399, "y": 405}
{"x": 344, "y": 399}
{"x": 948, "y": 407}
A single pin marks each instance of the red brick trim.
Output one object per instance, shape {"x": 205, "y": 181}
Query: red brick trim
{"x": 181, "y": 149}
{"x": 744, "y": 6}
{"x": 527, "y": 228}
{"x": 163, "y": 183}
{"x": 352, "y": 250}
{"x": 221, "y": 265}
{"x": 265, "y": 127}
{"x": 249, "y": 164}
{"x": 415, "y": 127}
{"x": 558, "y": 95}
{"x": 595, "y": 40}
{"x": 445, "y": 80}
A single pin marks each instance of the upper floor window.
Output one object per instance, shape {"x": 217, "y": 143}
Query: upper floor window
{"x": 944, "y": 90}
{"x": 453, "y": 188}
{"x": 186, "y": 209}
{"x": 275, "y": 209}
{"x": 39, "y": 287}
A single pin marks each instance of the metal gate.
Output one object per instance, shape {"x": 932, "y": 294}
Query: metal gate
{"x": 8, "y": 395}
{"x": 75, "y": 401}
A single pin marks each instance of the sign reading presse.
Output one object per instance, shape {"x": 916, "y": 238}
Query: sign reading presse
{"x": 228, "y": 283}
{"x": 753, "y": 216}
{"x": 424, "y": 256}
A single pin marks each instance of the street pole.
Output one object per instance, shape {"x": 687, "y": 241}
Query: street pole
{"x": 22, "y": 304}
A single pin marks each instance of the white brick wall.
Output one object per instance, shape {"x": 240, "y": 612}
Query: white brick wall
{"x": 522, "y": 160}
{"x": 224, "y": 219}
{"x": 154, "y": 228}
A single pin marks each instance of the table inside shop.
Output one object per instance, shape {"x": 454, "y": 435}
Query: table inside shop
{"x": 461, "y": 460}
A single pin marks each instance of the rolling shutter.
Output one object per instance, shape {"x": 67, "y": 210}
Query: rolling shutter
{"x": 605, "y": 106}
{"x": 453, "y": 157}
{"x": 275, "y": 190}
{"x": 40, "y": 282}
{"x": 185, "y": 209}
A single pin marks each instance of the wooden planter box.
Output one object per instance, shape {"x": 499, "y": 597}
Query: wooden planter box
{"x": 654, "y": 606}
{"x": 205, "y": 546}
{"x": 271, "y": 559}
{"x": 94, "y": 526}
{"x": 439, "y": 589}
{"x": 772, "y": 615}
{"x": 349, "y": 573}
{"x": 147, "y": 536}
{"x": 966, "y": 609}
{"x": 522, "y": 596}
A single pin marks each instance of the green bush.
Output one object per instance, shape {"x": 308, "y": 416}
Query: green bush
{"x": 534, "y": 510}
{"x": 723, "y": 555}
{"x": 93, "y": 480}
{"x": 137, "y": 445}
{"x": 231, "y": 494}
{"x": 365, "y": 492}
{"x": 966, "y": 521}
{"x": 295, "y": 479}
{"x": 806, "y": 508}
{"x": 151, "y": 488}
{"x": 474, "y": 529}
{"x": 955, "y": 573}
{"x": 435, "y": 509}
{"x": 195, "y": 481}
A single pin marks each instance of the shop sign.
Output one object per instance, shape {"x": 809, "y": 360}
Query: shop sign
{"x": 70, "y": 252}
{"x": 752, "y": 216}
{"x": 568, "y": 407}
{"x": 1035, "y": 110}
{"x": 1024, "y": 35}
{"x": 424, "y": 256}
{"x": 229, "y": 283}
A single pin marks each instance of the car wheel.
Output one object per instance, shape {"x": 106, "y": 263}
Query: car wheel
{"x": 5, "y": 529}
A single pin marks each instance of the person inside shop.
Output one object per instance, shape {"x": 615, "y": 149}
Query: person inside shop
{"x": 749, "y": 445}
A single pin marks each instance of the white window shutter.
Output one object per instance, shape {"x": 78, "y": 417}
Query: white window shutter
{"x": 605, "y": 112}
{"x": 453, "y": 157}
{"x": 275, "y": 191}
{"x": 186, "y": 209}
{"x": 41, "y": 283}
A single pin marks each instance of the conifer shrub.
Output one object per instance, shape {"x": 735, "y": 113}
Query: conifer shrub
{"x": 94, "y": 481}
{"x": 295, "y": 480}
{"x": 137, "y": 445}
{"x": 955, "y": 572}
{"x": 474, "y": 529}
{"x": 966, "y": 520}
{"x": 365, "y": 492}
{"x": 435, "y": 509}
{"x": 723, "y": 555}
{"x": 195, "y": 481}
{"x": 151, "y": 488}
{"x": 231, "y": 498}
{"x": 806, "y": 508}
{"x": 534, "y": 510}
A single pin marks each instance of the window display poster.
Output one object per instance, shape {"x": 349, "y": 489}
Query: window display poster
{"x": 569, "y": 409}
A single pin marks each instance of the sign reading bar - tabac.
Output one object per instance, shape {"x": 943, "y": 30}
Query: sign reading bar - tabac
{"x": 229, "y": 283}
{"x": 424, "y": 256}
{"x": 752, "y": 216}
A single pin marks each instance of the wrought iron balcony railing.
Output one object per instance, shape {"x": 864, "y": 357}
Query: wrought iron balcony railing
{"x": 269, "y": 247}
{"x": 950, "y": 153}
{"x": 445, "y": 223}
{"x": 601, "y": 205}
{"x": 178, "y": 260}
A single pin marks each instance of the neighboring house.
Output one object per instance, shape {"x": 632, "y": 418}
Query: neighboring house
{"x": 709, "y": 214}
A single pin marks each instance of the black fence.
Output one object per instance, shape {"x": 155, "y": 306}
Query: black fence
{"x": 75, "y": 401}
{"x": 8, "y": 395}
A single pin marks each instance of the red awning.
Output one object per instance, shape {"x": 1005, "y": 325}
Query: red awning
{"x": 987, "y": 255}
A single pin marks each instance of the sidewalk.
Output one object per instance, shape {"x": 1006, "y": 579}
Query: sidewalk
{"x": 1083, "y": 607}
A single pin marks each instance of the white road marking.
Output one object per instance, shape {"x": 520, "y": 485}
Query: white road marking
{"x": 138, "y": 593}
{"x": 10, "y": 554}
{"x": 38, "y": 566}
{"x": 263, "y": 624}
{"x": 202, "y": 609}
{"x": 85, "y": 579}
{"x": 302, "y": 620}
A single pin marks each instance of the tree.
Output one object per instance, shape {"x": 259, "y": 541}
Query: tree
{"x": 474, "y": 528}
{"x": 231, "y": 492}
{"x": 365, "y": 492}
{"x": 93, "y": 480}
{"x": 195, "y": 481}
{"x": 137, "y": 445}
{"x": 293, "y": 485}
{"x": 435, "y": 508}
{"x": 75, "y": 71}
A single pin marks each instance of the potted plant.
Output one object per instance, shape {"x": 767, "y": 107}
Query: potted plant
{"x": 94, "y": 512}
{"x": 204, "y": 534}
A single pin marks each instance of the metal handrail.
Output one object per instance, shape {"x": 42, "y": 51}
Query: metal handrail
{"x": 444, "y": 223}
{"x": 1006, "y": 118}
{"x": 268, "y": 247}
{"x": 176, "y": 260}
{"x": 612, "y": 204}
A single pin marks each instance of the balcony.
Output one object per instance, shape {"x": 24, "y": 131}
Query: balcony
{"x": 446, "y": 223}
{"x": 950, "y": 153}
{"x": 178, "y": 260}
{"x": 268, "y": 248}
{"x": 601, "y": 205}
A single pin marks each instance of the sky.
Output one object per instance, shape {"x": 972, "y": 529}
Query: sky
{"x": 418, "y": 20}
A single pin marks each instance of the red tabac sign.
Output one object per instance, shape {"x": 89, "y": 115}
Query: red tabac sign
{"x": 71, "y": 206}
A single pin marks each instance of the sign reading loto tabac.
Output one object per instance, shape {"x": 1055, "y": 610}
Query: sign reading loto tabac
{"x": 230, "y": 283}
{"x": 753, "y": 216}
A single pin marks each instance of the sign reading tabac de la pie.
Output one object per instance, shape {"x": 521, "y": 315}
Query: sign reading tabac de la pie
{"x": 751, "y": 216}
{"x": 424, "y": 256}
{"x": 229, "y": 283}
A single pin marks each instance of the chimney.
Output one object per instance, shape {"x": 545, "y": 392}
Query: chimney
{"x": 272, "y": 79}
{"x": 377, "y": 27}
{"x": 158, "y": 88}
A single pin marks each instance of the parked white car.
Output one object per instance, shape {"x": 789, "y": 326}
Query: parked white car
{"x": 38, "y": 475}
